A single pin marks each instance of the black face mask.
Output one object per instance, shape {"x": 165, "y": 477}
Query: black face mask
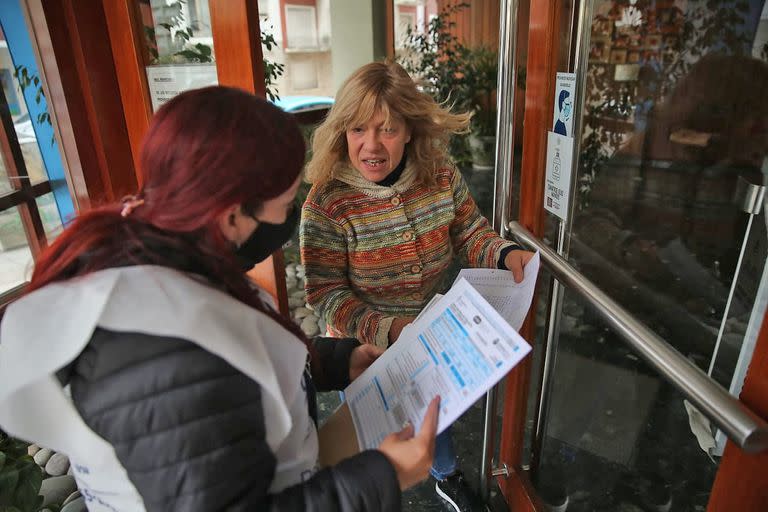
{"x": 266, "y": 239}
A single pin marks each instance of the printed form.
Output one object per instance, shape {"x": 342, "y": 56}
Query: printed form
{"x": 512, "y": 300}
{"x": 458, "y": 349}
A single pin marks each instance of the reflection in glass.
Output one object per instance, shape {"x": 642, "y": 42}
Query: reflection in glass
{"x": 415, "y": 15}
{"x": 618, "y": 435}
{"x": 297, "y": 46}
{"x": 178, "y": 32}
{"x": 179, "y": 47}
{"x": 49, "y": 214}
{"x": 22, "y": 122}
{"x": 674, "y": 116}
{"x": 15, "y": 256}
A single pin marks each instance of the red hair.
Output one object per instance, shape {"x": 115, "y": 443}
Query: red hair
{"x": 205, "y": 150}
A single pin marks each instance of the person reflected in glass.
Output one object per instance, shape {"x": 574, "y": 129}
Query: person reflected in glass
{"x": 188, "y": 390}
{"x": 662, "y": 208}
{"x": 385, "y": 218}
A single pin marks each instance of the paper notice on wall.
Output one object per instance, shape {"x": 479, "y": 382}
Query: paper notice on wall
{"x": 557, "y": 190}
{"x": 165, "y": 82}
{"x": 565, "y": 86}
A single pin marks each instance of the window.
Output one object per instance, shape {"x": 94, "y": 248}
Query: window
{"x": 300, "y": 27}
{"x": 34, "y": 197}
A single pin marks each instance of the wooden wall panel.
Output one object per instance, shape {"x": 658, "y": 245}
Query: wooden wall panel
{"x": 239, "y": 63}
{"x": 742, "y": 479}
{"x": 477, "y": 24}
{"x": 389, "y": 28}
{"x": 237, "y": 44}
{"x": 125, "y": 33}
{"x": 81, "y": 77}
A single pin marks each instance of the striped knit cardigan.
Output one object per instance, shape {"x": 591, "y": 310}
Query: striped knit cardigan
{"x": 373, "y": 253}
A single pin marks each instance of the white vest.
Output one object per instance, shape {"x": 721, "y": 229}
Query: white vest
{"x": 47, "y": 329}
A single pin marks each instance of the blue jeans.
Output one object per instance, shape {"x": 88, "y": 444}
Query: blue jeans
{"x": 445, "y": 462}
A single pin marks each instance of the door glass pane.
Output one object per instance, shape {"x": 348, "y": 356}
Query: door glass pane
{"x": 5, "y": 182}
{"x": 46, "y": 205}
{"x": 179, "y": 51}
{"x": 15, "y": 81}
{"x": 15, "y": 256}
{"x": 674, "y": 118}
{"x": 23, "y": 86}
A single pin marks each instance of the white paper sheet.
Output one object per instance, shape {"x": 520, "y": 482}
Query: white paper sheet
{"x": 458, "y": 349}
{"x": 512, "y": 300}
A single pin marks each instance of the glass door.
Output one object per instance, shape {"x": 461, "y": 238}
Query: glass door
{"x": 664, "y": 216}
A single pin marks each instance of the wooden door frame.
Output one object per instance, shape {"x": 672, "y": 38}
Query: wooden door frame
{"x": 742, "y": 479}
{"x": 239, "y": 63}
{"x": 546, "y": 44}
{"x": 81, "y": 87}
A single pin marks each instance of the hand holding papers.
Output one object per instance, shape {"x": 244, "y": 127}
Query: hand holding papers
{"x": 512, "y": 300}
{"x": 458, "y": 348}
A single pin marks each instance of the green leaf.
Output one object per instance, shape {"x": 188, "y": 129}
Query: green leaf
{"x": 2, "y": 460}
{"x": 27, "y": 495}
{"x": 204, "y": 48}
{"x": 9, "y": 478}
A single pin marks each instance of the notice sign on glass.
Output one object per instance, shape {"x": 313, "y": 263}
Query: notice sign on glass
{"x": 165, "y": 82}
{"x": 557, "y": 189}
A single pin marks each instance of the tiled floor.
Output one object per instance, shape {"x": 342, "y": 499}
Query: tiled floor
{"x": 467, "y": 435}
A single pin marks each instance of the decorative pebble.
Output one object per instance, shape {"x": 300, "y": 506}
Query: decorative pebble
{"x": 77, "y": 505}
{"x": 42, "y": 456}
{"x": 293, "y": 302}
{"x": 56, "y": 489}
{"x": 299, "y": 294}
{"x": 72, "y": 497}
{"x": 301, "y": 313}
{"x": 309, "y": 326}
{"x": 57, "y": 465}
{"x": 290, "y": 271}
{"x": 32, "y": 449}
{"x": 291, "y": 283}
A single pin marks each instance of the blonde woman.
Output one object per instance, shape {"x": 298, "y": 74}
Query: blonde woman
{"x": 386, "y": 216}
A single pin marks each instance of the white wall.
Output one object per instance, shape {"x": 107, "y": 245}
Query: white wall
{"x": 352, "y": 44}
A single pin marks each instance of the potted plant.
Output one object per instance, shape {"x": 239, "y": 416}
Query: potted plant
{"x": 438, "y": 59}
{"x": 481, "y": 71}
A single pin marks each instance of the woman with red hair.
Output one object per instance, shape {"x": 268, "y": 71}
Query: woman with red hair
{"x": 142, "y": 351}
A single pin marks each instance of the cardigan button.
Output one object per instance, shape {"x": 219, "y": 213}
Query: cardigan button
{"x": 395, "y": 201}
{"x": 415, "y": 269}
{"x": 408, "y": 236}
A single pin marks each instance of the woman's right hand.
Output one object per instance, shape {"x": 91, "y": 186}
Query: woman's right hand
{"x": 412, "y": 455}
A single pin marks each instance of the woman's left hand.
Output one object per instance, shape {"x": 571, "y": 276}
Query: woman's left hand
{"x": 361, "y": 358}
{"x": 515, "y": 261}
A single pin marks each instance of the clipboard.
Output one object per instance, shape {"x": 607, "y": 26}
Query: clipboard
{"x": 337, "y": 437}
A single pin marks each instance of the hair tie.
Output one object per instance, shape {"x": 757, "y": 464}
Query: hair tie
{"x": 129, "y": 204}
